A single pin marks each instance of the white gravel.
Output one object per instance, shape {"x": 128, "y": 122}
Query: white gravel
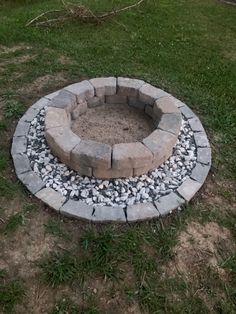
{"x": 114, "y": 192}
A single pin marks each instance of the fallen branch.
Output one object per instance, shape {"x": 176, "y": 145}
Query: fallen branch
{"x": 76, "y": 12}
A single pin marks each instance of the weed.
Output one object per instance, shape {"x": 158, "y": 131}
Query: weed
{"x": 13, "y": 109}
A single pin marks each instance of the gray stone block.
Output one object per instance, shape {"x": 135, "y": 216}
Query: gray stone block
{"x": 200, "y": 172}
{"x": 166, "y": 204}
{"x": 141, "y": 211}
{"x": 108, "y": 214}
{"x": 22, "y": 128}
{"x": 196, "y": 124}
{"x": 64, "y": 100}
{"x": 187, "y": 112}
{"x": 52, "y": 198}
{"x": 31, "y": 181}
{"x": 129, "y": 87}
{"x": 170, "y": 122}
{"x": 83, "y": 90}
{"x": 204, "y": 155}
{"x": 116, "y": 99}
{"x": 188, "y": 189}
{"x": 96, "y": 101}
{"x": 201, "y": 139}
{"x": 135, "y": 102}
{"x": 52, "y": 95}
{"x": 19, "y": 145}
{"x": 77, "y": 209}
{"x": 21, "y": 163}
{"x": 149, "y": 110}
{"x": 41, "y": 103}
{"x": 30, "y": 114}
{"x": 148, "y": 94}
{"x": 104, "y": 86}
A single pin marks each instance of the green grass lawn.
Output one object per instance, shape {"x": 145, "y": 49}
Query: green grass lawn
{"x": 184, "y": 263}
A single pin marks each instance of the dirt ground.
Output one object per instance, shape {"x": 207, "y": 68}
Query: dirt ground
{"x": 113, "y": 124}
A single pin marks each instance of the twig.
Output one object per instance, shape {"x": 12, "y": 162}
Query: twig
{"x": 121, "y": 10}
{"x": 41, "y": 15}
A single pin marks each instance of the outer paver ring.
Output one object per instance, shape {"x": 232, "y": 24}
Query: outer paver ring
{"x": 104, "y": 161}
{"x": 78, "y": 209}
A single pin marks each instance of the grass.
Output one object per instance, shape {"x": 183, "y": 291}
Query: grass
{"x": 188, "y": 49}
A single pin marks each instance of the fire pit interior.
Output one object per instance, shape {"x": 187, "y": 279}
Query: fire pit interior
{"x": 112, "y": 128}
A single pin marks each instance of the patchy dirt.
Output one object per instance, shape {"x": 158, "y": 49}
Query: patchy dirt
{"x": 198, "y": 247}
{"x": 7, "y": 50}
{"x": 113, "y": 124}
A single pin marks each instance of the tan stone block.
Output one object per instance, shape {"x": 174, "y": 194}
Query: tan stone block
{"x": 170, "y": 122}
{"x": 160, "y": 144}
{"x": 112, "y": 173}
{"x": 128, "y": 87}
{"x": 104, "y": 86}
{"x": 80, "y": 109}
{"x": 62, "y": 140}
{"x": 131, "y": 155}
{"x": 148, "y": 94}
{"x": 56, "y": 117}
{"x": 96, "y": 101}
{"x": 91, "y": 154}
{"x": 84, "y": 171}
{"x": 165, "y": 105}
{"x": 82, "y": 90}
{"x": 64, "y": 100}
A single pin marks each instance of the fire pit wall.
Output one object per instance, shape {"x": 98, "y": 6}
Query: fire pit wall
{"x": 100, "y": 160}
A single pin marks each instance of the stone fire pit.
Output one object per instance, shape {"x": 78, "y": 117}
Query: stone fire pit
{"x": 104, "y": 161}
{"x": 67, "y": 159}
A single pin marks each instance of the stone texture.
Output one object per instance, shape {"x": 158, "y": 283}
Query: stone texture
{"x": 96, "y": 101}
{"x": 200, "y": 172}
{"x": 21, "y": 163}
{"x": 85, "y": 171}
{"x": 129, "y": 87}
{"x": 30, "y": 114}
{"x": 83, "y": 90}
{"x": 64, "y": 100}
{"x": 188, "y": 189}
{"x": 31, "y": 181}
{"x": 149, "y": 110}
{"x": 141, "y": 211}
{"x": 52, "y": 95}
{"x": 166, "y": 204}
{"x": 116, "y": 99}
{"x": 19, "y": 145}
{"x": 52, "y": 198}
{"x": 201, "y": 139}
{"x": 22, "y": 129}
{"x": 140, "y": 171}
{"x": 41, "y": 103}
{"x": 186, "y": 111}
{"x": 161, "y": 144}
{"x": 165, "y": 105}
{"x": 148, "y": 94}
{"x": 112, "y": 173}
{"x": 80, "y": 109}
{"x": 62, "y": 141}
{"x": 170, "y": 122}
{"x": 77, "y": 209}
{"x": 91, "y": 154}
{"x": 196, "y": 124}
{"x": 108, "y": 214}
{"x": 104, "y": 86}
{"x": 135, "y": 102}
{"x": 56, "y": 117}
{"x": 204, "y": 155}
{"x": 131, "y": 155}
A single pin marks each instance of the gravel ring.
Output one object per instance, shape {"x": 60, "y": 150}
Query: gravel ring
{"x": 145, "y": 197}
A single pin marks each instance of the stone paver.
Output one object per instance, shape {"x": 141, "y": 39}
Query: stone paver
{"x": 200, "y": 172}
{"x": 149, "y": 110}
{"x": 21, "y": 163}
{"x": 80, "y": 109}
{"x": 188, "y": 189}
{"x": 201, "y": 139}
{"x": 83, "y": 90}
{"x": 91, "y": 154}
{"x": 148, "y": 93}
{"x": 41, "y": 103}
{"x": 77, "y": 209}
{"x": 116, "y": 99}
{"x": 165, "y": 105}
{"x": 96, "y": 101}
{"x": 141, "y": 211}
{"x": 170, "y": 122}
{"x": 204, "y": 155}
{"x": 30, "y": 114}
{"x": 22, "y": 128}
{"x": 52, "y": 95}
{"x": 108, "y": 214}
{"x": 112, "y": 173}
{"x": 186, "y": 111}
{"x": 131, "y": 155}
{"x": 129, "y": 87}
{"x": 56, "y": 117}
{"x": 19, "y": 145}
{"x": 62, "y": 141}
{"x": 196, "y": 124}
{"x": 31, "y": 181}
{"x": 166, "y": 204}
{"x": 64, "y": 100}
{"x": 135, "y": 102}
{"x": 104, "y": 86}
{"x": 51, "y": 198}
